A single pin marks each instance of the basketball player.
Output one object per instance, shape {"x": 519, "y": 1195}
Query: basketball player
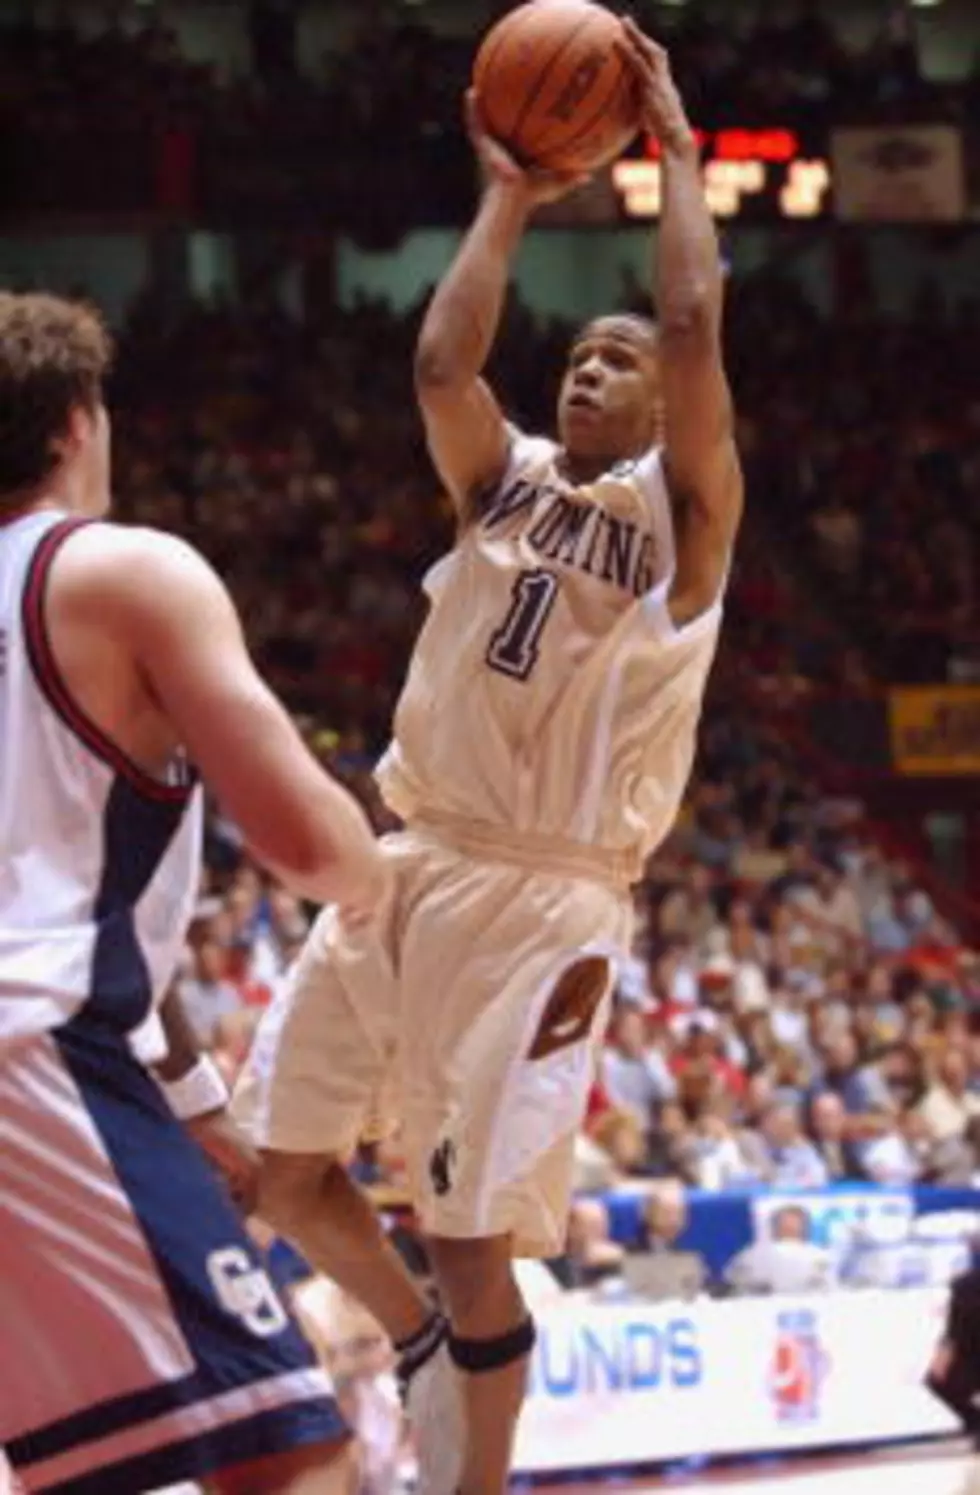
{"x": 142, "y": 1342}
{"x": 541, "y": 749}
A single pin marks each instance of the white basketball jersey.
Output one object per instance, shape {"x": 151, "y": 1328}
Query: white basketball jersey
{"x": 99, "y": 864}
{"x": 550, "y": 692}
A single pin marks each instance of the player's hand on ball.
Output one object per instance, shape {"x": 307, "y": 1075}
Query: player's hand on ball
{"x": 231, "y": 1153}
{"x": 497, "y": 165}
{"x": 662, "y": 111}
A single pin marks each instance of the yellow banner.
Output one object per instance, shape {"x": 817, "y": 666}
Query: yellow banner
{"x": 936, "y": 730}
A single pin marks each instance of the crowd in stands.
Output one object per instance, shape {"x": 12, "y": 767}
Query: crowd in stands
{"x": 773, "y": 64}
{"x": 862, "y": 434}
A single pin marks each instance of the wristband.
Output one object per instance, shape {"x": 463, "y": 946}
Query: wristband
{"x": 198, "y": 1091}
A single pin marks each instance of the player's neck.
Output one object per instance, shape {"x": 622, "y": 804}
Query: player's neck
{"x": 20, "y": 506}
{"x": 580, "y": 470}
{"x": 62, "y": 491}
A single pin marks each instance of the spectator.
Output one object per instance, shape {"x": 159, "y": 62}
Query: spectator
{"x": 699, "y": 1064}
{"x": 828, "y": 1127}
{"x": 722, "y": 1163}
{"x": 949, "y": 1104}
{"x": 207, "y": 993}
{"x": 689, "y": 910}
{"x": 591, "y": 1256}
{"x": 794, "y": 1162}
{"x": 621, "y": 1138}
{"x": 862, "y": 1090}
{"x": 672, "y": 1151}
{"x": 895, "y": 1155}
{"x": 635, "y": 1075}
{"x": 665, "y": 1219}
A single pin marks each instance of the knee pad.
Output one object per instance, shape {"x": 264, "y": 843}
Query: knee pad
{"x": 477, "y": 1356}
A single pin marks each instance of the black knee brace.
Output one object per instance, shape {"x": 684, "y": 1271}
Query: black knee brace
{"x": 479, "y": 1355}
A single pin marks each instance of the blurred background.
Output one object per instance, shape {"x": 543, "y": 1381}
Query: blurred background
{"x": 260, "y": 196}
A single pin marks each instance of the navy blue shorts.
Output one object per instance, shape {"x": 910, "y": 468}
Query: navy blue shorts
{"x": 141, "y": 1340}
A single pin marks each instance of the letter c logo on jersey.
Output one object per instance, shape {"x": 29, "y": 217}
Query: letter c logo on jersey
{"x": 245, "y": 1291}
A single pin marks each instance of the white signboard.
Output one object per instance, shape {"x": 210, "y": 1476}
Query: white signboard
{"x": 613, "y": 1385}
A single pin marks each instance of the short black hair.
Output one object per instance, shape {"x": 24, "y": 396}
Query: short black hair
{"x": 643, "y": 324}
{"x": 54, "y": 355}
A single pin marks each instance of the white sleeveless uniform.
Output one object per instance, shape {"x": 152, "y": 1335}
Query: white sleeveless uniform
{"x": 138, "y": 1324}
{"x": 541, "y": 750}
{"x": 99, "y": 864}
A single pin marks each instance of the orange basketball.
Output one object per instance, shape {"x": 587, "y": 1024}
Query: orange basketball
{"x": 553, "y": 88}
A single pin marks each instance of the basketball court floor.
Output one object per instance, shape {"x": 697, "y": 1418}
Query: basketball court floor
{"x": 937, "y": 1470}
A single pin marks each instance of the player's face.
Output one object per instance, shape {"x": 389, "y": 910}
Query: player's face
{"x": 610, "y": 404}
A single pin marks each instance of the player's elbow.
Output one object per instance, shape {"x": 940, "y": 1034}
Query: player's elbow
{"x": 435, "y": 368}
{"x": 310, "y": 867}
{"x": 689, "y": 317}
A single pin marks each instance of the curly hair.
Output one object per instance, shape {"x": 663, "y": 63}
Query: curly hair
{"x": 54, "y": 355}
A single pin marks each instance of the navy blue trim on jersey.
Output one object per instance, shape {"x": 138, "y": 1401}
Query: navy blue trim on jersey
{"x": 136, "y": 833}
{"x": 51, "y": 681}
{"x": 300, "y": 1426}
{"x": 185, "y": 1215}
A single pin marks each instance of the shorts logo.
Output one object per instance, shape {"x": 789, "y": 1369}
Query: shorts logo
{"x": 799, "y": 1368}
{"x": 571, "y": 1009}
{"x": 245, "y": 1291}
{"x": 441, "y": 1164}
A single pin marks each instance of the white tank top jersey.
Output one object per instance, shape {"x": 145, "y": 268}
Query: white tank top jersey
{"x": 550, "y": 694}
{"x": 99, "y": 863}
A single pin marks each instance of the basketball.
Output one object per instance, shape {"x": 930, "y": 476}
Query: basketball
{"x": 552, "y": 87}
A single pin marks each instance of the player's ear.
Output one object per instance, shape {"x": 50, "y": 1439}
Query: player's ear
{"x": 77, "y": 427}
{"x": 81, "y": 424}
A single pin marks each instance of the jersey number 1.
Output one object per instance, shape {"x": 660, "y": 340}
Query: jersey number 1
{"x": 515, "y": 646}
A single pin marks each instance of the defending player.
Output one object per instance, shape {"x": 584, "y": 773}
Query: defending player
{"x": 541, "y": 749}
{"x": 142, "y": 1342}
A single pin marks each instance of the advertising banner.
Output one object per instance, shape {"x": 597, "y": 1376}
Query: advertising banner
{"x": 936, "y": 730}
{"x": 835, "y": 1217}
{"x": 613, "y": 1385}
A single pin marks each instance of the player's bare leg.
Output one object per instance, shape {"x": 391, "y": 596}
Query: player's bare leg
{"x": 492, "y": 1336}
{"x": 312, "y": 1202}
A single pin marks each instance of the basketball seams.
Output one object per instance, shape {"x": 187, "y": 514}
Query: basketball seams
{"x": 621, "y": 78}
{"x": 551, "y": 119}
{"x": 534, "y": 93}
{"x": 497, "y": 39}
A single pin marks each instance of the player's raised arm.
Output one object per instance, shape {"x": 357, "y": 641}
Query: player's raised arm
{"x": 464, "y": 424}
{"x": 702, "y": 463}
{"x": 185, "y": 639}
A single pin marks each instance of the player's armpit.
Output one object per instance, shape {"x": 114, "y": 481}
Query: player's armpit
{"x": 468, "y": 437}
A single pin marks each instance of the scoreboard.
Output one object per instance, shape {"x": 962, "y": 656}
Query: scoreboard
{"x": 758, "y": 175}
